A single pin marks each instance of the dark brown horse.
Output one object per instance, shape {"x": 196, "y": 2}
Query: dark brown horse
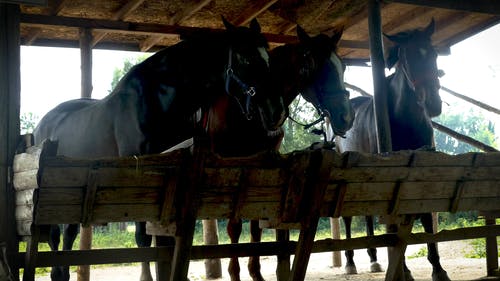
{"x": 151, "y": 109}
{"x": 413, "y": 99}
{"x": 311, "y": 68}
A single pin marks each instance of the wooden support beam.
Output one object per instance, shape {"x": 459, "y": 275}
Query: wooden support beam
{"x": 34, "y": 33}
{"x": 379, "y": 79}
{"x": 121, "y": 14}
{"x": 86, "y": 62}
{"x": 478, "y": 6}
{"x": 189, "y": 10}
{"x": 254, "y": 9}
{"x": 10, "y": 88}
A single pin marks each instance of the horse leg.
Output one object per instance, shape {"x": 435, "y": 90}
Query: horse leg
{"x": 143, "y": 240}
{"x": 372, "y": 252}
{"x": 69, "y": 236}
{"x": 438, "y": 273}
{"x": 234, "y": 231}
{"x": 350, "y": 267}
{"x": 254, "y": 261}
{"x": 54, "y": 240}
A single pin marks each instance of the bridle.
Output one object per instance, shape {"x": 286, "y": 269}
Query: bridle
{"x": 323, "y": 112}
{"x": 249, "y": 91}
{"x": 413, "y": 82}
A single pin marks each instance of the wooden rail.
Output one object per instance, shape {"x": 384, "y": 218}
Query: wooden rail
{"x": 284, "y": 191}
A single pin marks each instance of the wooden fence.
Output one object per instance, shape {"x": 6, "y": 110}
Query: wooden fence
{"x": 283, "y": 191}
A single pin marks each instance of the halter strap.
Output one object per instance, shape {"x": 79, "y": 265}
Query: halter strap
{"x": 249, "y": 91}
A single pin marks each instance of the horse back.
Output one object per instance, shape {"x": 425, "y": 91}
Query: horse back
{"x": 362, "y": 136}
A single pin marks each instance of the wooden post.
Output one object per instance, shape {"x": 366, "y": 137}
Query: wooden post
{"x": 379, "y": 79}
{"x": 10, "y": 88}
{"x": 213, "y": 267}
{"x": 335, "y": 228}
{"x": 83, "y": 272}
{"x": 86, "y": 61}
{"x": 491, "y": 251}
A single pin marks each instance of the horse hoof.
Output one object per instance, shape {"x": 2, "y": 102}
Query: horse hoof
{"x": 351, "y": 269}
{"x": 376, "y": 267}
{"x": 440, "y": 276}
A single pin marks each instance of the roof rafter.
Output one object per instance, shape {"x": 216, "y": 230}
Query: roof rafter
{"x": 34, "y": 33}
{"x": 150, "y": 29}
{"x": 121, "y": 14}
{"x": 180, "y": 16}
{"x": 478, "y": 6}
{"x": 257, "y": 8}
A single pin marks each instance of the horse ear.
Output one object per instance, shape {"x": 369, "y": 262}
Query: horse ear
{"x": 337, "y": 34}
{"x": 255, "y": 26}
{"x": 398, "y": 38}
{"x": 302, "y": 34}
{"x": 429, "y": 30}
{"x": 227, "y": 24}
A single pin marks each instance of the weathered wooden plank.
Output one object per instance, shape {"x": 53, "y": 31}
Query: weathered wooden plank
{"x": 60, "y": 196}
{"x": 57, "y": 214}
{"x": 132, "y": 176}
{"x": 65, "y": 176}
{"x": 439, "y": 159}
{"x": 125, "y": 212}
{"x": 129, "y": 195}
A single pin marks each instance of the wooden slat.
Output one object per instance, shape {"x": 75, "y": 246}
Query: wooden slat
{"x": 479, "y": 6}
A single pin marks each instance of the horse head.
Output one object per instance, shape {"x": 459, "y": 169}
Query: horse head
{"x": 415, "y": 58}
{"x": 247, "y": 76}
{"x": 322, "y": 78}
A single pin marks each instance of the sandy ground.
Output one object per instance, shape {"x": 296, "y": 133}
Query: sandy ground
{"x": 320, "y": 267}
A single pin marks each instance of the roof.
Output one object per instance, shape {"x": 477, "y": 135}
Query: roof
{"x": 141, "y": 25}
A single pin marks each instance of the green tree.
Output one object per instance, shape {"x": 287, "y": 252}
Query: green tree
{"x": 296, "y": 137}
{"x": 28, "y": 122}
{"x": 472, "y": 124}
{"x": 118, "y": 73}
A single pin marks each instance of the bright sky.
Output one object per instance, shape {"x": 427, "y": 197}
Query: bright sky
{"x": 50, "y": 76}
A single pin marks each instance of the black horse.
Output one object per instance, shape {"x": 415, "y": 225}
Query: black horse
{"x": 151, "y": 109}
{"x": 311, "y": 68}
{"x": 413, "y": 99}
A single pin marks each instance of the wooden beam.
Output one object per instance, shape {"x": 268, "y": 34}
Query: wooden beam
{"x": 379, "y": 80}
{"x": 463, "y": 138}
{"x": 10, "y": 88}
{"x": 34, "y": 33}
{"x": 121, "y": 14}
{"x": 131, "y": 27}
{"x": 256, "y": 8}
{"x": 479, "y": 6}
{"x": 86, "y": 62}
{"x": 180, "y": 16}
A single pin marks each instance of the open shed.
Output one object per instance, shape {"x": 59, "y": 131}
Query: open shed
{"x": 151, "y": 25}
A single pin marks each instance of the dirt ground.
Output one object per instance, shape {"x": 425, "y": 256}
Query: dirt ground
{"x": 320, "y": 267}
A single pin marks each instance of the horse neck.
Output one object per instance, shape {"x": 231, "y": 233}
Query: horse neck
{"x": 410, "y": 123}
{"x": 285, "y": 72}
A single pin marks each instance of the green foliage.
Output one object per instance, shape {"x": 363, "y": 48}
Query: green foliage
{"x": 472, "y": 124}
{"x": 422, "y": 252}
{"x": 118, "y": 73}
{"x": 296, "y": 137}
{"x": 28, "y": 122}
